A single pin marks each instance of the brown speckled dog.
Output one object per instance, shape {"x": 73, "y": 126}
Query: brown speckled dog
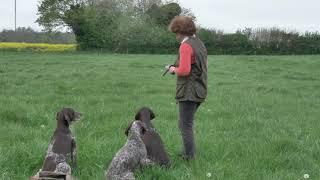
{"x": 62, "y": 146}
{"x": 155, "y": 147}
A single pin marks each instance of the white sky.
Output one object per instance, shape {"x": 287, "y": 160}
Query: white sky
{"x": 227, "y": 15}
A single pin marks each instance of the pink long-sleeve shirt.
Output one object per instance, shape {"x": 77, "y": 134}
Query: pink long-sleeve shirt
{"x": 186, "y": 59}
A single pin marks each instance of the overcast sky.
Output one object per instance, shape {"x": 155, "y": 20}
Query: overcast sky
{"x": 227, "y": 15}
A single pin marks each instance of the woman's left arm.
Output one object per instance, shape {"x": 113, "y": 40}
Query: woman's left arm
{"x": 186, "y": 53}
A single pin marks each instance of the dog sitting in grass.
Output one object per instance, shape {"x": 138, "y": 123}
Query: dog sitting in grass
{"x": 132, "y": 154}
{"x": 155, "y": 147}
{"x": 61, "y": 148}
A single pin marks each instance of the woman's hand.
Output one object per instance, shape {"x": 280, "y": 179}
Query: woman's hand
{"x": 172, "y": 70}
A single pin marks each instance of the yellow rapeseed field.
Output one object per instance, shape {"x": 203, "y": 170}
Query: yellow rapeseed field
{"x": 38, "y": 47}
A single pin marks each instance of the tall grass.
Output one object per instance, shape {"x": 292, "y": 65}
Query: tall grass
{"x": 260, "y": 121}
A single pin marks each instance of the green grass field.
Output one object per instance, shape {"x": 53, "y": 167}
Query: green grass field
{"x": 260, "y": 121}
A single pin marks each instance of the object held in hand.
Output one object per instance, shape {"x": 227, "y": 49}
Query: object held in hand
{"x": 167, "y": 68}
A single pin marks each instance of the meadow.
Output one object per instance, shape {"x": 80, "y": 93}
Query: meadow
{"x": 260, "y": 120}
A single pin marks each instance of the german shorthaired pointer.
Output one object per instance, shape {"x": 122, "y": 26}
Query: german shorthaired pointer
{"x": 155, "y": 147}
{"x": 61, "y": 148}
{"x": 132, "y": 154}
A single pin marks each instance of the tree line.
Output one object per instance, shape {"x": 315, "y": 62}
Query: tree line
{"x": 141, "y": 26}
{"x": 261, "y": 41}
{"x": 122, "y": 26}
{"x": 28, "y": 35}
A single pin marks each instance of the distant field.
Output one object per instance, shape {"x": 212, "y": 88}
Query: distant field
{"x": 260, "y": 121}
{"x": 37, "y": 47}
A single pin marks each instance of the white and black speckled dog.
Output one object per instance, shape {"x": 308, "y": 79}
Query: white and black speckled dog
{"x": 62, "y": 146}
{"x": 132, "y": 154}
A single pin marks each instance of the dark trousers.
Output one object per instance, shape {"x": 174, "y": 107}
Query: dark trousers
{"x": 187, "y": 110}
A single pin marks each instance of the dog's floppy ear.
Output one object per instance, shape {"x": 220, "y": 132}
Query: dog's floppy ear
{"x": 137, "y": 117}
{"x": 57, "y": 116}
{"x": 152, "y": 115}
{"x": 128, "y": 129}
{"x": 143, "y": 128}
{"x": 67, "y": 118}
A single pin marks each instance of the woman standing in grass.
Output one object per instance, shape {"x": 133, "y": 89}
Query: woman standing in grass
{"x": 191, "y": 70}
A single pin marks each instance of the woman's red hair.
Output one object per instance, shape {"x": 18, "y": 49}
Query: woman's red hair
{"x": 183, "y": 25}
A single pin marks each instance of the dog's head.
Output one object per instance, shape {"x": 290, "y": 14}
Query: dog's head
{"x": 137, "y": 127}
{"x": 67, "y": 116}
{"x": 145, "y": 115}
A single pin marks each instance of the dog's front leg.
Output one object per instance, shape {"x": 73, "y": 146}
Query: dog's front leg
{"x": 74, "y": 154}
